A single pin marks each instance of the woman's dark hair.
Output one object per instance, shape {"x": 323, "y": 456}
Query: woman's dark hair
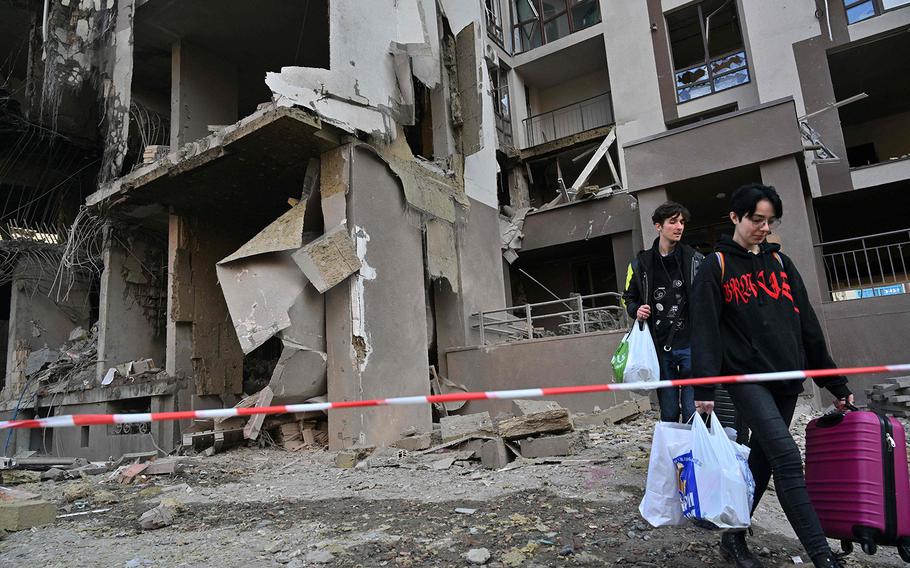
{"x": 746, "y": 198}
{"x": 669, "y": 210}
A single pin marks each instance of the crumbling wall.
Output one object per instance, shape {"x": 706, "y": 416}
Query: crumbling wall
{"x": 133, "y": 307}
{"x": 368, "y": 87}
{"x": 201, "y": 325}
{"x": 39, "y": 319}
{"x": 116, "y": 87}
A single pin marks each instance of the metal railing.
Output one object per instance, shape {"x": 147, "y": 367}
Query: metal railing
{"x": 868, "y": 266}
{"x": 517, "y": 323}
{"x": 571, "y": 119}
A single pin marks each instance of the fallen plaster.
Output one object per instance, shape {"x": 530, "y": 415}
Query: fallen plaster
{"x": 427, "y": 187}
{"x": 368, "y": 84}
{"x": 329, "y": 260}
{"x": 361, "y": 348}
{"x": 442, "y": 258}
{"x": 512, "y": 232}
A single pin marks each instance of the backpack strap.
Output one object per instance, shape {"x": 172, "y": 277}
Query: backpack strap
{"x": 720, "y": 259}
{"x": 779, "y": 259}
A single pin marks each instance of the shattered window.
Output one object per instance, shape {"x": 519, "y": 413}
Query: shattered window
{"x": 537, "y": 22}
{"x": 707, "y": 48}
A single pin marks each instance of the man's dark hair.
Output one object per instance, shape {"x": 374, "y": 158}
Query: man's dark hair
{"x": 669, "y": 210}
{"x": 746, "y": 198}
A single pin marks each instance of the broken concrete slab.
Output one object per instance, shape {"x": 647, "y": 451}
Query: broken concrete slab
{"x": 550, "y": 446}
{"x": 166, "y": 466}
{"x": 550, "y": 421}
{"x": 282, "y": 234}
{"x": 53, "y": 474}
{"x": 459, "y": 426}
{"x": 494, "y": 454}
{"x": 259, "y": 292}
{"x": 415, "y": 443}
{"x": 330, "y": 259}
{"x": 131, "y": 472}
{"x": 626, "y": 410}
{"x": 38, "y": 359}
{"x": 525, "y": 407}
{"x": 21, "y": 515}
{"x": 588, "y": 420}
{"x": 299, "y": 374}
{"x": 161, "y": 516}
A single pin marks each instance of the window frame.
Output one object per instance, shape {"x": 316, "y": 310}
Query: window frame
{"x": 495, "y": 29}
{"x": 711, "y": 76}
{"x": 878, "y": 8}
{"x": 518, "y": 41}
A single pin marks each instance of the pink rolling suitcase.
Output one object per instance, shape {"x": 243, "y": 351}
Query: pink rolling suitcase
{"x": 856, "y": 473}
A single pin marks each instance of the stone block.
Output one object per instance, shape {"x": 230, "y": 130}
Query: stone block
{"x": 550, "y": 446}
{"x": 494, "y": 455}
{"x": 415, "y": 443}
{"x": 459, "y": 426}
{"x": 550, "y": 421}
{"x": 525, "y": 407}
{"x": 20, "y": 515}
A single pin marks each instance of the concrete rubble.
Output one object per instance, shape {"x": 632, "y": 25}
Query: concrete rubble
{"x": 442, "y": 507}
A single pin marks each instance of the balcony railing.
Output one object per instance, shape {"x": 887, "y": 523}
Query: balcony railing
{"x": 568, "y": 120}
{"x": 869, "y": 266}
{"x": 582, "y": 314}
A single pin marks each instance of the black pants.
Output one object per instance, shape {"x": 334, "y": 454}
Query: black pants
{"x": 775, "y": 452}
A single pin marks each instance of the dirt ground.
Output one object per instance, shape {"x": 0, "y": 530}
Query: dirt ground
{"x": 269, "y": 507}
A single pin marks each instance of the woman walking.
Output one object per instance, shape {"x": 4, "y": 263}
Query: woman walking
{"x": 751, "y": 314}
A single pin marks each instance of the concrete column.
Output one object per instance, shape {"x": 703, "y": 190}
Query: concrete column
{"x": 623, "y": 252}
{"x": 648, "y": 201}
{"x": 179, "y": 330}
{"x": 794, "y": 231}
{"x": 376, "y": 335}
{"x": 204, "y": 91}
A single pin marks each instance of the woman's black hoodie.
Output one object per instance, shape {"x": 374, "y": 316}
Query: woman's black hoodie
{"x": 752, "y": 315}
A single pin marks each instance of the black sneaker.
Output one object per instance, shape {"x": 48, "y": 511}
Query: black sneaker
{"x": 827, "y": 561}
{"x": 733, "y": 548}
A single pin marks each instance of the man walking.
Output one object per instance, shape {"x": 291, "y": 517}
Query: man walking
{"x": 658, "y": 289}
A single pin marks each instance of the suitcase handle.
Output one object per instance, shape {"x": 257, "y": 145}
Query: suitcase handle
{"x": 835, "y": 417}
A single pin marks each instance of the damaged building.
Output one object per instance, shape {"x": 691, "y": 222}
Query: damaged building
{"x": 209, "y": 204}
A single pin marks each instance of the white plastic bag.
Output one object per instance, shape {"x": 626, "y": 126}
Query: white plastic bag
{"x": 661, "y": 505}
{"x": 642, "y": 365}
{"x": 715, "y": 484}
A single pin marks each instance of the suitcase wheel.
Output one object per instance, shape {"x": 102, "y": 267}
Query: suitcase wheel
{"x": 904, "y": 550}
{"x": 869, "y": 547}
{"x": 846, "y": 547}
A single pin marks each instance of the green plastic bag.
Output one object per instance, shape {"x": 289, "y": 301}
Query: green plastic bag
{"x": 620, "y": 357}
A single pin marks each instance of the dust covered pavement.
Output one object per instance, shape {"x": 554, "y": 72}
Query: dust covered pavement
{"x": 268, "y": 507}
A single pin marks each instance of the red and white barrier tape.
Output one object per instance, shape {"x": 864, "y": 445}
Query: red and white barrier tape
{"x": 100, "y": 419}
